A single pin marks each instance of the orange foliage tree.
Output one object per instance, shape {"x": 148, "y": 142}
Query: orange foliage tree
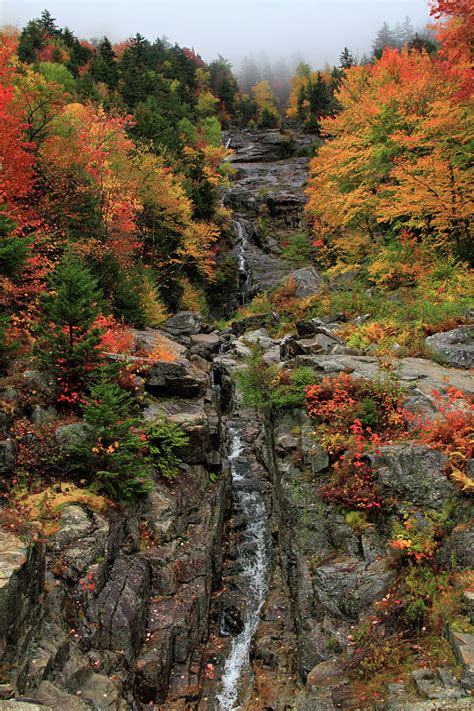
{"x": 397, "y": 153}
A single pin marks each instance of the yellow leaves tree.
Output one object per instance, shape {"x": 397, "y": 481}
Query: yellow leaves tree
{"x": 397, "y": 152}
{"x": 267, "y": 112}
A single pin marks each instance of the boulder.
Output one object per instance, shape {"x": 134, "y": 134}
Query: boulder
{"x": 183, "y": 323}
{"x": 260, "y": 337}
{"x": 162, "y": 513}
{"x": 325, "y": 674}
{"x": 43, "y": 415}
{"x": 69, "y": 436}
{"x": 456, "y": 347}
{"x": 346, "y": 586}
{"x": 178, "y": 378}
{"x": 437, "y": 684}
{"x": 205, "y": 345}
{"x": 315, "y": 344}
{"x": 313, "y": 454}
{"x": 308, "y": 328}
{"x": 148, "y": 338}
{"x": 51, "y": 696}
{"x": 17, "y": 705}
{"x": 7, "y": 456}
{"x": 83, "y": 538}
{"x": 462, "y": 645}
{"x": 458, "y": 548}
{"x": 121, "y": 607}
{"x": 41, "y": 381}
{"x": 195, "y": 426}
{"x": 414, "y": 473}
{"x": 307, "y": 280}
{"x": 247, "y": 323}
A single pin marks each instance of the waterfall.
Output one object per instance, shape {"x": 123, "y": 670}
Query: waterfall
{"x": 255, "y": 556}
{"x": 245, "y": 275}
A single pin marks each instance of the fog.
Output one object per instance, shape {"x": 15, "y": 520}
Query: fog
{"x": 311, "y": 30}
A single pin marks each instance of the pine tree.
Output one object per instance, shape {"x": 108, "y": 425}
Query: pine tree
{"x": 137, "y": 81}
{"x": 384, "y": 38}
{"x": 48, "y": 23}
{"x": 346, "y": 59}
{"x": 112, "y": 455}
{"x": 13, "y": 250}
{"x": 31, "y": 40}
{"x": 319, "y": 96}
{"x": 67, "y": 339}
{"x": 104, "y": 67}
{"x": 407, "y": 31}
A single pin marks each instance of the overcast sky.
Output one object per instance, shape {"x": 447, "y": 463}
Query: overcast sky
{"x": 315, "y": 30}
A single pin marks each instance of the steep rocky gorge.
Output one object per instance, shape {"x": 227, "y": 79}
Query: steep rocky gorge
{"x": 247, "y": 593}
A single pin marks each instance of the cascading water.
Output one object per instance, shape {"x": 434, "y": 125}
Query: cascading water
{"x": 245, "y": 276}
{"x": 255, "y": 556}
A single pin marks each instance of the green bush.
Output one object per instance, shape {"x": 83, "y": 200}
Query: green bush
{"x": 265, "y": 386}
{"x": 289, "y": 390}
{"x": 255, "y": 383}
{"x": 298, "y": 249}
{"x": 165, "y": 439}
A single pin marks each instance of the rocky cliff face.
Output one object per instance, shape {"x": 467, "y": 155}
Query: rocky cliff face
{"x": 100, "y": 618}
{"x": 247, "y": 590}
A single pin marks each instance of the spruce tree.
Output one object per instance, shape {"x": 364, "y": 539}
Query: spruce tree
{"x": 112, "y": 453}
{"x": 346, "y": 59}
{"x": 104, "y": 67}
{"x": 67, "y": 340}
{"x": 384, "y": 38}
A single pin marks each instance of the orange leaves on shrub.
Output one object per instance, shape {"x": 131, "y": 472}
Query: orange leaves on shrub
{"x": 452, "y": 431}
{"x": 117, "y": 337}
{"x": 162, "y": 350}
{"x": 331, "y": 400}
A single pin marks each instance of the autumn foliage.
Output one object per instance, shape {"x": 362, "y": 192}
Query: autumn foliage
{"x": 396, "y": 154}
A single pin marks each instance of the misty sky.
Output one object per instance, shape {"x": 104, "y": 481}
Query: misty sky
{"x": 314, "y": 30}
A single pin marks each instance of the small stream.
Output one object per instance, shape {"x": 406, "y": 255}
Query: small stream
{"x": 254, "y": 553}
{"x": 245, "y": 275}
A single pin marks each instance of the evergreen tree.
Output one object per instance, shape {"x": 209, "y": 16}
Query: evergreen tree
{"x": 112, "y": 455}
{"x": 137, "y": 82}
{"x": 13, "y": 250}
{"x": 223, "y": 83}
{"x": 67, "y": 340}
{"x": 249, "y": 75}
{"x": 31, "y": 40}
{"x": 346, "y": 59}
{"x": 319, "y": 96}
{"x": 48, "y": 24}
{"x": 422, "y": 42}
{"x": 384, "y": 38}
{"x": 104, "y": 66}
{"x": 407, "y": 31}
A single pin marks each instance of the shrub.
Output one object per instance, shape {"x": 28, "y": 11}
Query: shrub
{"x": 288, "y": 387}
{"x": 38, "y": 456}
{"x": 297, "y": 248}
{"x": 354, "y": 416}
{"x": 165, "y": 439}
{"x": 353, "y": 485}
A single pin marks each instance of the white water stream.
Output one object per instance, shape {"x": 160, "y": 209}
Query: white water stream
{"x": 255, "y": 570}
{"x": 245, "y": 277}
